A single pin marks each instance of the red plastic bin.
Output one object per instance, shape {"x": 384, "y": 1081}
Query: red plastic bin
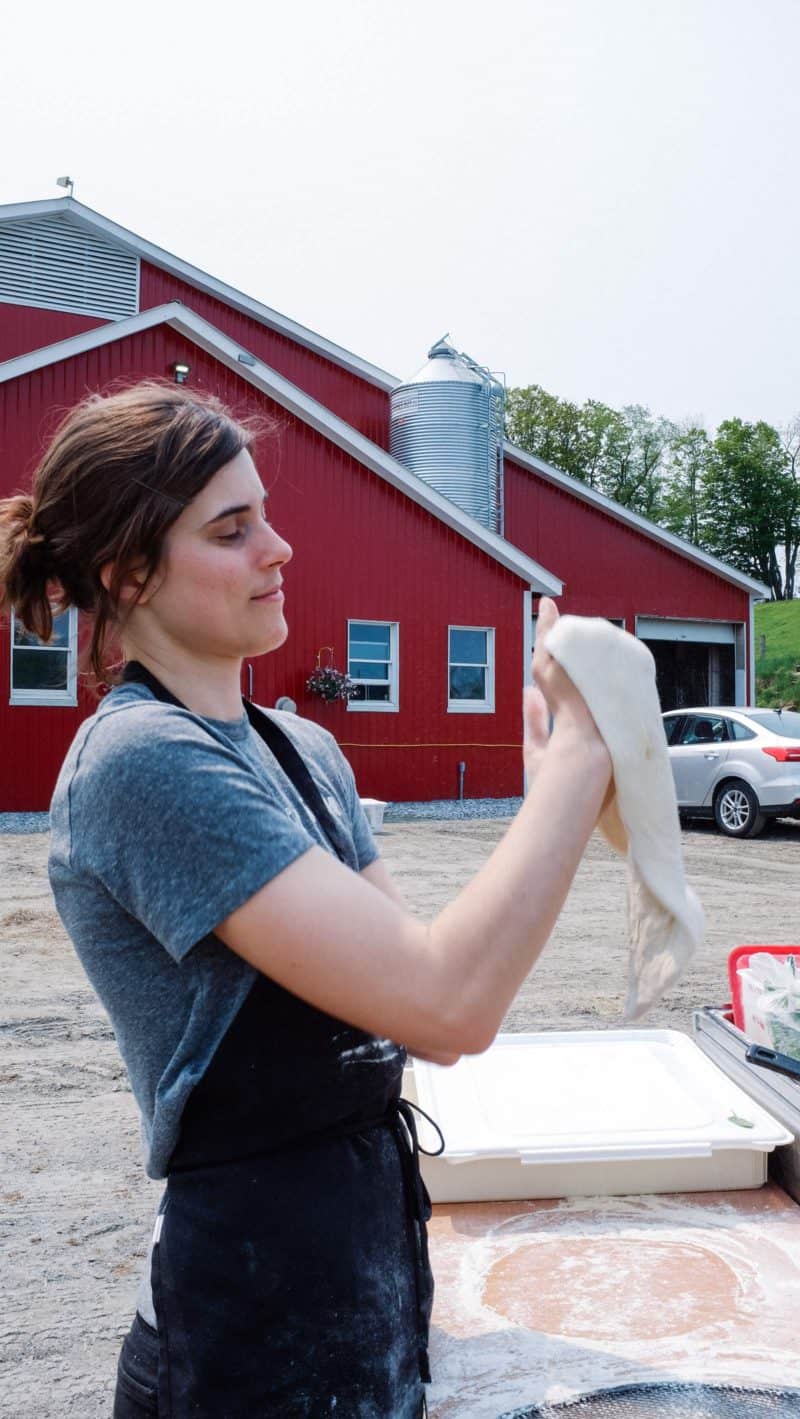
{"x": 740, "y": 958}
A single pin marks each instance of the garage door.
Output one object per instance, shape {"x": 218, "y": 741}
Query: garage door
{"x": 709, "y": 632}
{"x": 697, "y": 662}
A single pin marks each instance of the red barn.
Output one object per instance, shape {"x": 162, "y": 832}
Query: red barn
{"x": 432, "y": 612}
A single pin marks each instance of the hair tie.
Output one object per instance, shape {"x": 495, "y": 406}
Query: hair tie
{"x": 34, "y": 539}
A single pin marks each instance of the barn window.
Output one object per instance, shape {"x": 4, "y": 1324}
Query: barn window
{"x": 372, "y": 662}
{"x": 44, "y": 673}
{"x": 470, "y": 669}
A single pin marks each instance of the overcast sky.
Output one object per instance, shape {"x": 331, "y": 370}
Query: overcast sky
{"x": 599, "y": 196}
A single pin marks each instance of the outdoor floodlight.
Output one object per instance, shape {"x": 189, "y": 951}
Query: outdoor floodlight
{"x": 181, "y": 372}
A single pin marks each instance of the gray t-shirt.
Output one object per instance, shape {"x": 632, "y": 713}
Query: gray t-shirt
{"x": 162, "y": 824}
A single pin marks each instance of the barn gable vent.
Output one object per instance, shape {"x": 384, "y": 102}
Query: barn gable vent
{"x": 56, "y": 264}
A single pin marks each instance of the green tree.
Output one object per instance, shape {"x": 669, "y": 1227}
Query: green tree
{"x": 618, "y": 453}
{"x": 687, "y": 467}
{"x": 636, "y": 448}
{"x": 791, "y": 524}
{"x": 746, "y": 492}
{"x": 532, "y": 420}
{"x": 602, "y": 427}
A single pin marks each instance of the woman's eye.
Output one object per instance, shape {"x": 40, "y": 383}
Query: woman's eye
{"x": 240, "y": 532}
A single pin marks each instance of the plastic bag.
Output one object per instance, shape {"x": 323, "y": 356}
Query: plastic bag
{"x": 778, "y": 1002}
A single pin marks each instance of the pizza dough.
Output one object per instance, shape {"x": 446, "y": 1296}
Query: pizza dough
{"x": 615, "y": 673}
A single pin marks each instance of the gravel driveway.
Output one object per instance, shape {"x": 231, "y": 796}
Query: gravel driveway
{"x": 76, "y": 1206}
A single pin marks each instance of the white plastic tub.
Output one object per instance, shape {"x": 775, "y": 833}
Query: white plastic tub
{"x": 588, "y": 1113}
{"x": 374, "y": 810}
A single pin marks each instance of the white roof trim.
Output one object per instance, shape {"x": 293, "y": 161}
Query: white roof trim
{"x": 633, "y": 519}
{"x": 296, "y": 402}
{"x": 85, "y": 216}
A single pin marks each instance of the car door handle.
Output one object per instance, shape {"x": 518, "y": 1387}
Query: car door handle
{"x": 711, "y": 756}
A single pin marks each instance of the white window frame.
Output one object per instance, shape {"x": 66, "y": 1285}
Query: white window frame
{"x": 485, "y": 706}
{"x": 50, "y": 698}
{"x": 392, "y": 705}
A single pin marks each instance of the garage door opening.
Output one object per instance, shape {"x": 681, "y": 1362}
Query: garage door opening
{"x": 691, "y": 673}
{"x": 697, "y": 662}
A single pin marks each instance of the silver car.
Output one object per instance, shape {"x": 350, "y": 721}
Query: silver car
{"x": 736, "y": 765}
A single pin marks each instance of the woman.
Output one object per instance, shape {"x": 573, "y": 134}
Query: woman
{"x": 216, "y": 874}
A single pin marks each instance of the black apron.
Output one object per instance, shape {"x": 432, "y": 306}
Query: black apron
{"x": 290, "y": 1273}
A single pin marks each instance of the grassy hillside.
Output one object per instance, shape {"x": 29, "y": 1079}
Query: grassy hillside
{"x": 778, "y": 670}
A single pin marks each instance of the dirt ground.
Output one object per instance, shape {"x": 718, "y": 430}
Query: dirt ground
{"x": 76, "y": 1207}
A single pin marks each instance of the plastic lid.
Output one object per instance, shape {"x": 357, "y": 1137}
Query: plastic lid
{"x": 591, "y": 1094}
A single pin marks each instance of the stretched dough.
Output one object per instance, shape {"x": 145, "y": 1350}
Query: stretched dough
{"x": 615, "y": 673}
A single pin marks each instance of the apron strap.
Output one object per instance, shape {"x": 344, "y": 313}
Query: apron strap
{"x": 277, "y": 742}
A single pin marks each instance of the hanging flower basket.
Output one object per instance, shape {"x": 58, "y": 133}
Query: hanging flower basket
{"x": 328, "y": 682}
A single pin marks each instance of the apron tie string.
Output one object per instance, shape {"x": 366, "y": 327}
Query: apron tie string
{"x": 404, "y": 1128}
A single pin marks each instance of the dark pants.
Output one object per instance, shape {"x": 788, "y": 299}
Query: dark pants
{"x": 136, "y": 1394}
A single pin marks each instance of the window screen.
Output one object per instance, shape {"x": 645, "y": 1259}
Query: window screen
{"x": 370, "y": 661}
{"x": 41, "y": 669}
{"x": 468, "y": 666}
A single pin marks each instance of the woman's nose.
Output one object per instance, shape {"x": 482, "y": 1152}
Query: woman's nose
{"x": 276, "y": 548}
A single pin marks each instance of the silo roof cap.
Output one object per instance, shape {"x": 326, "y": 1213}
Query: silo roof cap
{"x": 446, "y": 366}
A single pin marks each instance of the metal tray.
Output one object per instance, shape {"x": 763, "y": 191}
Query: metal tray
{"x": 726, "y": 1045}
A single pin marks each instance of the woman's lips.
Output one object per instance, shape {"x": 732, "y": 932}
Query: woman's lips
{"x": 270, "y": 596}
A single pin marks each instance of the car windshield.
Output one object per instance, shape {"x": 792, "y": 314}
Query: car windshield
{"x": 786, "y": 723}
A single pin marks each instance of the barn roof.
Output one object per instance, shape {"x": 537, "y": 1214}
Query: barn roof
{"x": 295, "y": 401}
{"x": 580, "y": 490}
{"x": 68, "y": 209}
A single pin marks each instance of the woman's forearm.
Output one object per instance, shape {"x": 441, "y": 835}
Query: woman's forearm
{"x": 485, "y": 942}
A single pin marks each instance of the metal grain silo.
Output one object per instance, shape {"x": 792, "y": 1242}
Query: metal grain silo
{"x": 447, "y": 427}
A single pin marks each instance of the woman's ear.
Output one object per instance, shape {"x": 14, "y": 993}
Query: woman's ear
{"x": 132, "y": 582}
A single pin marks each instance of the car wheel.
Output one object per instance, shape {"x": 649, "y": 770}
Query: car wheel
{"x": 737, "y": 811}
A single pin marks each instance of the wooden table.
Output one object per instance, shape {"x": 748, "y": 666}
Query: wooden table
{"x": 548, "y": 1299}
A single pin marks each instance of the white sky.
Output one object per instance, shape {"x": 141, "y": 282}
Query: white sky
{"x": 599, "y": 196}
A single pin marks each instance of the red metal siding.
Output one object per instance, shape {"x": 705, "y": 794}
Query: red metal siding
{"x": 347, "y": 394}
{"x": 361, "y": 550}
{"x": 24, "y": 328}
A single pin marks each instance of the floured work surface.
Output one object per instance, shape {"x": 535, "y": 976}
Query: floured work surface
{"x": 540, "y": 1301}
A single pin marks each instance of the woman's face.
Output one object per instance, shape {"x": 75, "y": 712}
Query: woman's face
{"x": 214, "y": 591}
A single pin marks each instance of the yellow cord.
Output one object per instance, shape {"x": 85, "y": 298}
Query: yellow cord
{"x": 346, "y": 744}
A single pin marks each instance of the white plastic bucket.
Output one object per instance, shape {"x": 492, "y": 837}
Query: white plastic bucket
{"x": 374, "y": 809}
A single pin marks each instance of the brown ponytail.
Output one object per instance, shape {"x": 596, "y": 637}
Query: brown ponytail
{"x": 23, "y": 566}
{"x": 116, "y": 475}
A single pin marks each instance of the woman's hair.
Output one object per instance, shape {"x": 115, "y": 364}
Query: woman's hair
{"x": 117, "y": 473}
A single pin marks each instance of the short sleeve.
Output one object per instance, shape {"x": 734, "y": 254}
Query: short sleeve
{"x": 363, "y": 840}
{"x": 177, "y": 827}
